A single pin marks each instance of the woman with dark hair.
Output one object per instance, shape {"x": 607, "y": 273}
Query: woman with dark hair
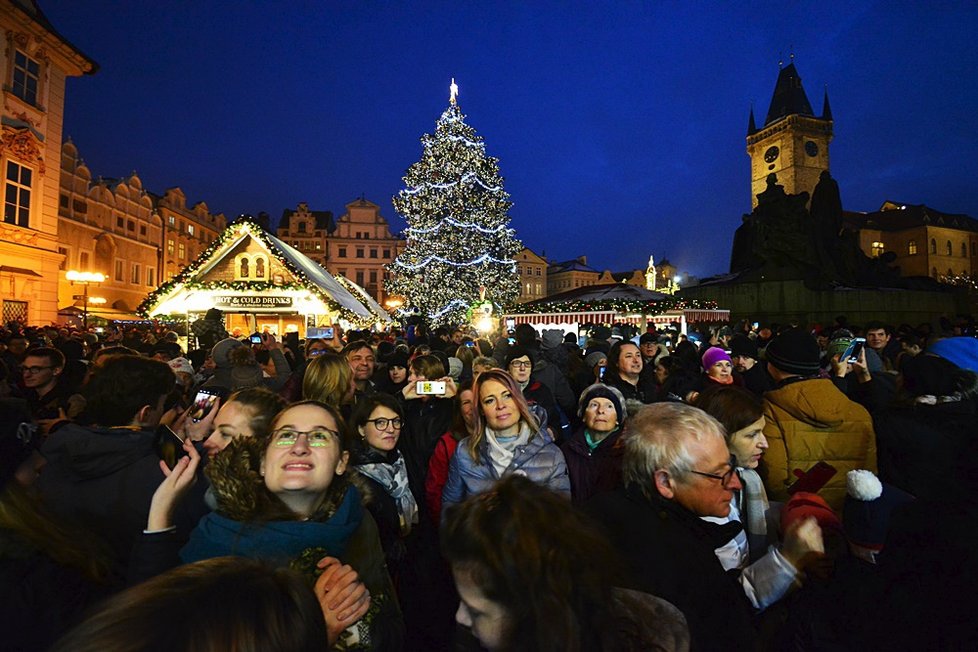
{"x": 227, "y": 603}
{"x": 289, "y": 500}
{"x": 463, "y": 424}
{"x": 533, "y": 573}
{"x": 427, "y": 417}
{"x": 375, "y": 429}
{"x": 624, "y": 373}
{"x": 768, "y": 571}
{"x": 507, "y": 439}
{"x": 246, "y": 413}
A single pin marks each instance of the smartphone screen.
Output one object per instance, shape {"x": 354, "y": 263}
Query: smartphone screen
{"x": 857, "y": 349}
{"x": 471, "y": 345}
{"x": 313, "y": 333}
{"x": 430, "y": 388}
{"x": 256, "y": 339}
{"x": 601, "y": 372}
{"x": 203, "y": 404}
{"x": 169, "y": 446}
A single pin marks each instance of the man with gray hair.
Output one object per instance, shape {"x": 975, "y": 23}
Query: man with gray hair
{"x": 676, "y": 468}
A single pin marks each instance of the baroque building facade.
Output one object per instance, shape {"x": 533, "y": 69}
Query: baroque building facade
{"x": 186, "y": 232}
{"x": 35, "y": 62}
{"x": 533, "y": 275}
{"x": 358, "y": 245}
{"x": 107, "y": 226}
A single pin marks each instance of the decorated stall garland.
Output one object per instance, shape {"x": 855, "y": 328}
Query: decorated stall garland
{"x": 625, "y": 306}
{"x": 231, "y": 233}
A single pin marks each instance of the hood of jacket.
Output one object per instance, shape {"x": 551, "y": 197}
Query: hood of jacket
{"x": 93, "y": 452}
{"x": 817, "y": 402}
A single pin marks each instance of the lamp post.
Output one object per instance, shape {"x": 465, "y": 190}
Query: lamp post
{"x": 86, "y": 279}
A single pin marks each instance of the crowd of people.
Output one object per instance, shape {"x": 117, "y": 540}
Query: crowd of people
{"x": 743, "y": 486}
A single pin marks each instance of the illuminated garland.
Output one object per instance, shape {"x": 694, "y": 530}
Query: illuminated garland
{"x": 231, "y": 233}
{"x": 468, "y": 176}
{"x": 475, "y": 261}
{"x": 625, "y": 306}
{"x": 450, "y": 221}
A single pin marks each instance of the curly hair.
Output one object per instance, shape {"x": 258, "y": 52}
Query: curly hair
{"x": 530, "y": 550}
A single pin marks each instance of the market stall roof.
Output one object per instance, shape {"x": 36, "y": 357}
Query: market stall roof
{"x": 365, "y": 298}
{"x": 615, "y": 302}
{"x": 606, "y": 291}
{"x": 298, "y": 274}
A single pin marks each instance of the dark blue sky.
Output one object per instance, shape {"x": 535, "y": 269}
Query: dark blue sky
{"x": 619, "y": 126}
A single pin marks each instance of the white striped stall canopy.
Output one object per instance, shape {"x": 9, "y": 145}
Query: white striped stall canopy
{"x": 572, "y": 321}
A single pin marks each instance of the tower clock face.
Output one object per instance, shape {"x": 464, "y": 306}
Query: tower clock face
{"x": 771, "y": 154}
{"x": 811, "y": 148}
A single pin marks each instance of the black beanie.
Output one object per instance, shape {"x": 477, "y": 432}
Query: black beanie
{"x": 794, "y": 352}
{"x": 600, "y": 390}
{"x": 743, "y": 345}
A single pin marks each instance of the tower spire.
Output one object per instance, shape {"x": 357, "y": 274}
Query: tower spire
{"x": 826, "y": 109}
{"x": 751, "y": 125}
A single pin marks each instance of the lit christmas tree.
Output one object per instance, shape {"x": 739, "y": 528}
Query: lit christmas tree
{"x": 458, "y": 235}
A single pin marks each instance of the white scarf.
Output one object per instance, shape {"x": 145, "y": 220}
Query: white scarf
{"x": 501, "y": 453}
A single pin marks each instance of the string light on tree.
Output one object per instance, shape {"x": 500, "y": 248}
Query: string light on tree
{"x": 458, "y": 235}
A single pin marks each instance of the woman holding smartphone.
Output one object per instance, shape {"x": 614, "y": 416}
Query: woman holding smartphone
{"x": 427, "y": 415}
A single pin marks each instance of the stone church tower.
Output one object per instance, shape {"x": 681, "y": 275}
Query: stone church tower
{"x": 792, "y": 143}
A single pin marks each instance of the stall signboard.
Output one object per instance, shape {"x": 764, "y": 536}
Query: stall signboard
{"x": 252, "y": 302}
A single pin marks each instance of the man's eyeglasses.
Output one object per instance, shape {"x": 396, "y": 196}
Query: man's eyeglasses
{"x": 34, "y": 370}
{"x": 319, "y": 438}
{"x": 519, "y": 364}
{"x": 381, "y": 423}
{"x": 725, "y": 478}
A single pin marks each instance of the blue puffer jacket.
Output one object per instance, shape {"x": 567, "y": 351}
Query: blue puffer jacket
{"x": 539, "y": 460}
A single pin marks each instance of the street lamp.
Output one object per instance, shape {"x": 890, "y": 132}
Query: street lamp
{"x": 86, "y": 279}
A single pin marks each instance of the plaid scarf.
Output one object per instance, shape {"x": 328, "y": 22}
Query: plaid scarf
{"x": 393, "y": 478}
{"x": 753, "y": 512}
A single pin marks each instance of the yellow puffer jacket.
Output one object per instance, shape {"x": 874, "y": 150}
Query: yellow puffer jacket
{"x": 809, "y": 421}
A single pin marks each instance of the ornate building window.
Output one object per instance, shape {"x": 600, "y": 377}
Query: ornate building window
{"x": 27, "y": 72}
{"x": 169, "y": 247}
{"x": 964, "y": 250}
{"x": 933, "y": 250}
{"x": 948, "y": 248}
{"x": 878, "y": 249}
{"x": 181, "y": 251}
{"x": 17, "y": 195}
{"x": 912, "y": 248}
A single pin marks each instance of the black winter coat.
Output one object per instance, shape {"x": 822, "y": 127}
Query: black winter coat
{"x": 669, "y": 552}
{"x": 593, "y": 472}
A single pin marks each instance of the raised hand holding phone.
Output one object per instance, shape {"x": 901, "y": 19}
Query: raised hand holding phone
{"x": 174, "y": 487}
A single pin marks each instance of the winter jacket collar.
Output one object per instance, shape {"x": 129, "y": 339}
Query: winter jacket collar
{"x": 95, "y": 452}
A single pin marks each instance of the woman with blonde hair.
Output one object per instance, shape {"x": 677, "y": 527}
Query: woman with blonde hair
{"x": 507, "y": 439}
{"x": 329, "y": 380}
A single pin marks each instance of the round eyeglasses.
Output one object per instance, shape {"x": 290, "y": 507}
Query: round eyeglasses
{"x": 381, "y": 423}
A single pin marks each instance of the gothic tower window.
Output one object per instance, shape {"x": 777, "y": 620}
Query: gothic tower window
{"x": 912, "y": 248}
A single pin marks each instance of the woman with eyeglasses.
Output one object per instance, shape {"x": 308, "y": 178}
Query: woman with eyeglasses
{"x": 376, "y": 428}
{"x": 768, "y": 570}
{"x": 289, "y": 500}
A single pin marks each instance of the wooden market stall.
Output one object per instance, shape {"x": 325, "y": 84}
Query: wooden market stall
{"x": 262, "y": 283}
{"x": 614, "y": 303}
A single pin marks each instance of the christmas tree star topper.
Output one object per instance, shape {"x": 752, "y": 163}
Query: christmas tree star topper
{"x": 453, "y": 91}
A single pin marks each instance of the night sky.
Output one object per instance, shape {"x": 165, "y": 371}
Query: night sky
{"x": 620, "y": 126}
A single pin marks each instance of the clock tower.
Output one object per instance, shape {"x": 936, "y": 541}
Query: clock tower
{"x": 792, "y": 143}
